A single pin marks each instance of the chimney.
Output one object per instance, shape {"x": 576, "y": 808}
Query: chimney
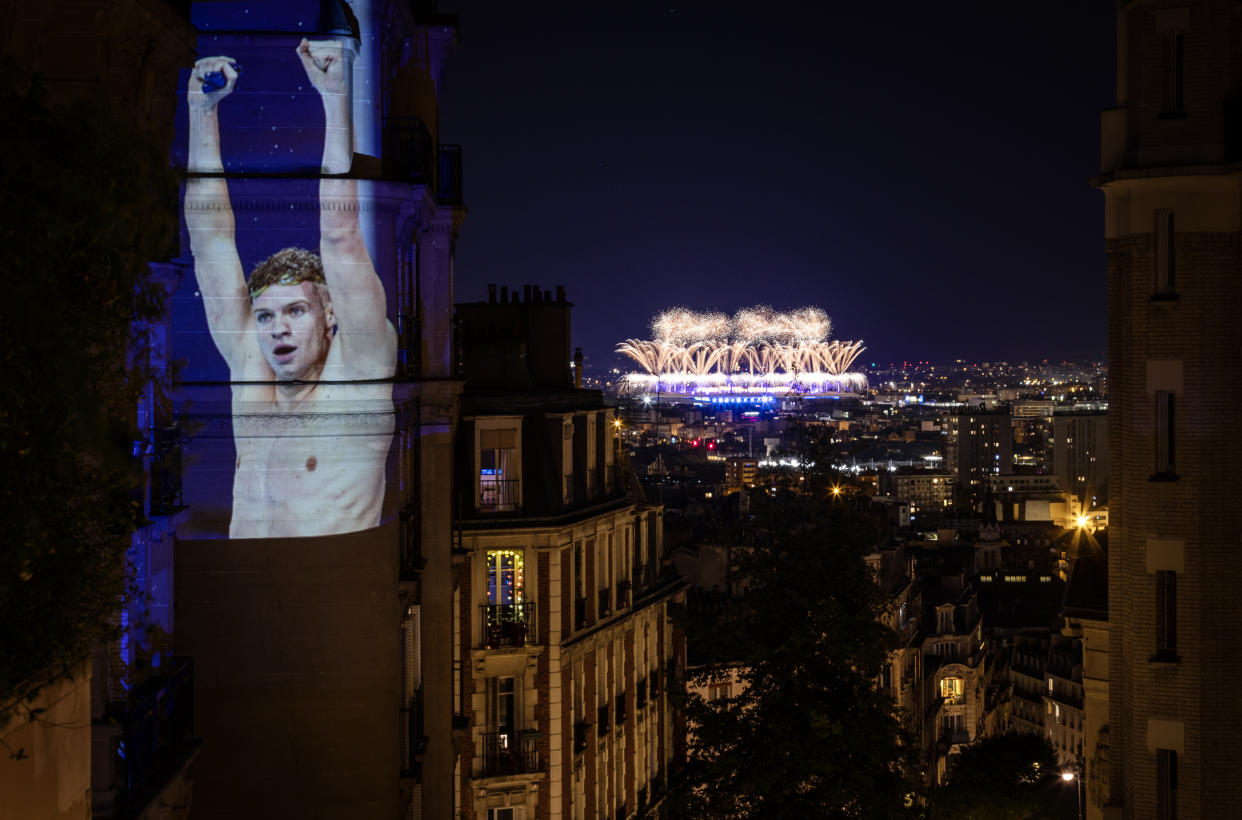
{"x": 578, "y": 367}
{"x": 526, "y": 294}
{"x": 491, "y": 294}
{"x": 504, "y": 294}
{"x": 560, "y": 293}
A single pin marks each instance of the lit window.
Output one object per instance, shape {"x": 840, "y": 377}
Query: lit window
{"x": 952, "y": 690}
{"x": 505, "y": 577}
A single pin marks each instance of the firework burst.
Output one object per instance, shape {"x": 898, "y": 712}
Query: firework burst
{"x": 758, "y": 350}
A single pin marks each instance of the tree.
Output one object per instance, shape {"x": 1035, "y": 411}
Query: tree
{"x": 811, "y": 735}
{"x": 1007, "y": 776}
{"x": 88, "y": 204}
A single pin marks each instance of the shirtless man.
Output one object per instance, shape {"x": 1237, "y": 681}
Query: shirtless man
{"x": 304, "y": 340}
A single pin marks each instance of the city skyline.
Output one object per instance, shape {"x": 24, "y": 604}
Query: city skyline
{"x": 744, "y": 159}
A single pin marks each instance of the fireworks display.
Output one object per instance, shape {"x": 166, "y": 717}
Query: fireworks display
{"x": 757, "y": 352}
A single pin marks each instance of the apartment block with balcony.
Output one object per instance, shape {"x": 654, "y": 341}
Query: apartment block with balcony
{"x": 955, "y": 667}
{"x": 563, "y": 648}
{"x": 1064, "y": 719}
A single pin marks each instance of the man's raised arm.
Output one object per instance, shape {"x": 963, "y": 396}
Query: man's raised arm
{"x": 209, "y": 214}
{"x": 368, "y": 339}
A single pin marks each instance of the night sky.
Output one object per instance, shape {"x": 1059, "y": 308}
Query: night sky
{"x": 921, "y": 172}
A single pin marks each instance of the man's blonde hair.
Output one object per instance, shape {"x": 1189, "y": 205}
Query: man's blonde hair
{"x": 289, "y": 267}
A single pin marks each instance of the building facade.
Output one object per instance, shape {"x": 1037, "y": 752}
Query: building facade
{"x": 1173, "y": 235}
{"x": 314, "y": 596}
{"x": 980, "y": 445}
{"x": 563, "y": 646}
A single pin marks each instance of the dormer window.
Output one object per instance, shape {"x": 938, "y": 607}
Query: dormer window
{"x": 499, "y": 471}
{"x": 945, "y": 616}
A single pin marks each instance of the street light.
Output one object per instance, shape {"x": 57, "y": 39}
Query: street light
{"x": 1076, "y": 775}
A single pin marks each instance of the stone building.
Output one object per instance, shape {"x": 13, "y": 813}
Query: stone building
{"x": 1173, "y": 236}
{"x": 563, "y": 649}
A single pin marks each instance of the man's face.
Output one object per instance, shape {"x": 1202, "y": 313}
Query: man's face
{"x": 295, "y": 330}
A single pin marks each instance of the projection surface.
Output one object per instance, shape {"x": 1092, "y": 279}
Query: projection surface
{"x": 283, "y": 324}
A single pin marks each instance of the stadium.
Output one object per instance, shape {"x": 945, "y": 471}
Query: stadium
{"x": 756, "y": 356}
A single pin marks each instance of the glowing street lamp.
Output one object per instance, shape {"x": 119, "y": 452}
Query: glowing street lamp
{"x": 1075, "y": 774}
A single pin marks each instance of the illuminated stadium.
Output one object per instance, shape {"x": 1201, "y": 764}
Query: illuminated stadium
{"x": 754, "y": 357}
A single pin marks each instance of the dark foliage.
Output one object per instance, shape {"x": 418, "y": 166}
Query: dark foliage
{"x": 810, "y": 736}
{"x": 1007, "y": 776}
{"x": 87, "y": 204}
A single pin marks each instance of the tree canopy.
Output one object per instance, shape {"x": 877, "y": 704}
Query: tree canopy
{"x": 811, "y": 735}
{"x": 88, "y": 203}
{"x": 1002, "y": 777}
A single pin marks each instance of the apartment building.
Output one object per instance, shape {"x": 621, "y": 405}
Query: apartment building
{"x": 562, "y": 645}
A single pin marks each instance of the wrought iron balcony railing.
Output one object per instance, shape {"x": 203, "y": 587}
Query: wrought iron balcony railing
{"x": 623, "y": 593}
{"x": 508, "y": 625}
{"x": 448, "y": 181}
{"x": 166, "y": 471}
{"x": 498, "y": 494}
{"x": 511, "y": 752}
{"x": 158, "y": 730}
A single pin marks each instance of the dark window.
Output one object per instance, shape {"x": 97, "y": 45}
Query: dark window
{"x": 1166, "y": 611}
{"x": 1165, "y": 251}
{"x": 1165, "y": 439}
{"x": 1166, "y": 784}
{"x": 1175, "y": 73}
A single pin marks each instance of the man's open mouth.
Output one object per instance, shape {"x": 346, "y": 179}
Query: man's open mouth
{"x": 283, "y": 350}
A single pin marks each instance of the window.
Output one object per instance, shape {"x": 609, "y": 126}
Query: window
{"x": 1166, "y": 784}
{"x": 505, "y": 577}
{"x": 952, "y": 690}
{"x": 507, "y": 813}
{"x": 1166, "y": 612}
{"x": 1166, "y": 256}
{"x": 1175, "y": 73}
{"x": 504, "y": 709}
{"x": 508, "y": 620}
{"x": 1165, "y": 440}
{"x": 499, "y": 488}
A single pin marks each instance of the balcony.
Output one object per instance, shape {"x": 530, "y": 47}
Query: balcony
{"x": 499, "y": 494}
{"x": 413, "y": 740}
{"x": 408, "y": 149}
{"x": 448, "y": 180}
{"x": 411, "y": 557}
{"x": 623, "y": 593}
{"x": 158, "y": 731}
{"x": 166, "y": 471}
{"x": 509, "y": 753}
{"x": 508, "y": 625}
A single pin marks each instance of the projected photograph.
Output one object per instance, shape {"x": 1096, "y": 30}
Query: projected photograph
{"x": 297, "y": 318}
